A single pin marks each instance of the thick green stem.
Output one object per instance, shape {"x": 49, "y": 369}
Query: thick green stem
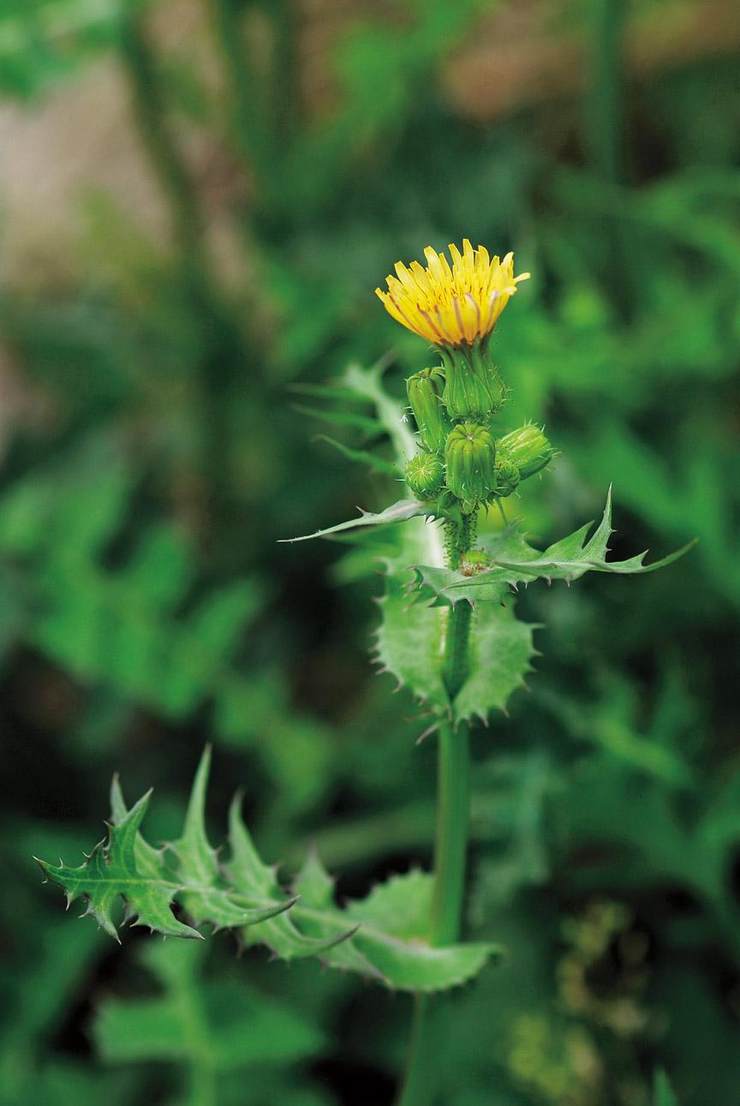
{"x": 453, "y": 820}
{"x": 456, "y": 660}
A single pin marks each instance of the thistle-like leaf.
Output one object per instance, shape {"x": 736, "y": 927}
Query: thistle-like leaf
{"x": 113, "y": 871}
{"x": 204, "y": 894}
{"x": 401, "y": 906}
{"x": 250, "y": 875}
{"x": 410, "y": 638}
{"x": 381, "y": 938}
{"x": 398, "y": 512}
{"x": 514, "y": 561}
{"x": 409, "y": 642}
{"x": 501, "y": 650}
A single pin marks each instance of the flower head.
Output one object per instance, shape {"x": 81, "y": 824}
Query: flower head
{"x": 451, "y": 305}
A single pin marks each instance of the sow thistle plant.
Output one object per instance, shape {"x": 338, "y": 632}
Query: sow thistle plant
{"x": 449, "y": 633}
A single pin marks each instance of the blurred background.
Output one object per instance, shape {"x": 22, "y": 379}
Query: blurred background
{"x": 197, "y": 199}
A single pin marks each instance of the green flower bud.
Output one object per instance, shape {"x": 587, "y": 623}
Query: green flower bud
{"x": 507, "y": 477}
{"x": 473, "y": 388}
{"x": 470, "y": 455}
{"x": 527, "y": 448}
{"x": 425, "y": 475}
{"x": 424, "y": 390}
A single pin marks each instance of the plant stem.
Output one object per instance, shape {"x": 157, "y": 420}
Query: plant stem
{"x": 453, "y": 820}
{"x": 455, "y": 665}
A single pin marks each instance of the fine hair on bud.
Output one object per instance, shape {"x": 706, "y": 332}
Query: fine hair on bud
{"x": 507, "y": 477}
{"x": 527, "y": 448}
{"x": 425, "y": 475}
{"x": 424, "y": 390}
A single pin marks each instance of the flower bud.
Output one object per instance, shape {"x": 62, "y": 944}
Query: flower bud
{"x": 470, "y": 455}
{"x": 424, "y": 390}
{"x": 527, "y": 448}
{"x": 507, "y": 477}
{"x": 425, "y": 475}
{"x": 473, "y": 388}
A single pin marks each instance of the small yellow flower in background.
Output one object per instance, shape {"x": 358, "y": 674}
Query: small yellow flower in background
{"x": 451, "y": 305}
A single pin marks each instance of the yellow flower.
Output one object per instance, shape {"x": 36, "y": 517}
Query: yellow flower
{"x": 451, "y": 306}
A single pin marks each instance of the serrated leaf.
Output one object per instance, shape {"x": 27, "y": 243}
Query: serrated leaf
{"x": 351, "y": 939}
{"x": 246, "y": 893}
{"x": 501, "y": 651}
{"x": 414, "y": 966}
{"x": 401, "y": 906}
{"x": 514, "y": 561}
{"x": 129, "y": 868}
{"x": 203, "y": 893}
{"x": 409, "y": 642}
{"x": 447, "y": 586}
{"x": 149, "y": 861}
{"x": 249, "y": 874}
{"x": 398, "y": 512}
{"x": 571, "y": 557}
{"x": 112, "y": 872}
{"x": 404, "y": 961}
{"x": 313, "y": 884}
{"x": 410, "y": 638}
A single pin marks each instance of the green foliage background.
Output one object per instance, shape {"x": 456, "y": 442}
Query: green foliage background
{"x": 147, "y": 609}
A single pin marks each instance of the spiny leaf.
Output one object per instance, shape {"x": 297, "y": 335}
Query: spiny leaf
{"x": 397, "y": 512}
{"x": 351, "y": 939}
{"x": 112, "y": 871}
{"x": 571, "y": 557}
{"x": 400, "y": 906}
{"x": 248, "y": 873}
{"x": 501, "y": 650}
{"x": 415, "y": 966}
{"x": 381, "y": 938}
{"x": 389, "y": 941}
{"x": 514, "y": 561}
{"x": 204, "y": 896}
{"x": 409, "y": 642}
{"x": 313, "y": 884}
{"x": 447, "y": 586}
{"x": 410, "y": 638}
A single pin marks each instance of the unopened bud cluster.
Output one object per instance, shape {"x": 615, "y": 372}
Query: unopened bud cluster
{"x": 460, "y": 460}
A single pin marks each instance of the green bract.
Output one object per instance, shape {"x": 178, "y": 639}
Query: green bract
{"x": 527, "y": 448}
{"x": 473, "y": 388}
{"x": 424, "y": 390}
{"x": 507, "y": 477}
{"x": 470, "y": 458}
{"x": 425, "y": 475}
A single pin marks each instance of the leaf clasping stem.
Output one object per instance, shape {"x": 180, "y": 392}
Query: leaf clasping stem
{"x": 450, "y": 848}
